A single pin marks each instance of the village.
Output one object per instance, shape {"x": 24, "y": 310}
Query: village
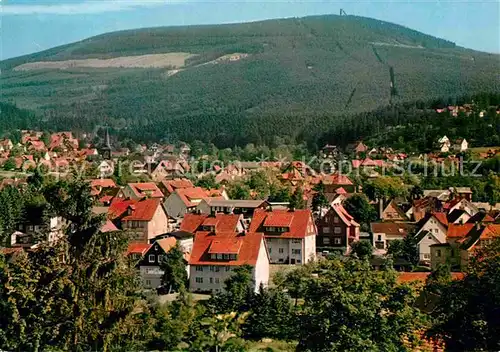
{"x": 166, "y": 206}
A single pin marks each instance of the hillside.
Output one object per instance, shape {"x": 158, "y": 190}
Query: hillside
{"x": 232, "y": 84}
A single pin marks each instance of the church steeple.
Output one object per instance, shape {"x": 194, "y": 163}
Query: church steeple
{"x": 106, "y": 149}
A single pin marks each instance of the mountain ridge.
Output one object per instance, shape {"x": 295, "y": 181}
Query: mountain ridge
{"x": 295, "y": 71}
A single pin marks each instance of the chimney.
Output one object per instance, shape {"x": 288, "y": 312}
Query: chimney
{"x": 130, "y": 209}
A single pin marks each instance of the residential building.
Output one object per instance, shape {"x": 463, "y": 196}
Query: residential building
{"x": 290, "y": 234}
{"x": 185, "y": 200}
{"x": 144, "y": 219}
{"x": 392, "y": 212}
{"x": 336, "y": 230}
{"x": 432, "y": 229}
{"x": 170, "y": 186}
{"x": 140, "y": 191}
{"x": 231, "y": 206}
{"x": 444, "y": 144}
{"x": 460, "y": 145}
{"x": 150, "y": 265}
{"x": 385, "y": 232}
{"x": 217, "y": 254}
{"x": 30, "y": 232}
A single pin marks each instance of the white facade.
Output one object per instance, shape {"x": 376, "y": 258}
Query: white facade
{"x": 211, "y": 278}
{"x": 291, "y": 250}
{"x": 424, "y": 247}
{"x": 436, "y": 234}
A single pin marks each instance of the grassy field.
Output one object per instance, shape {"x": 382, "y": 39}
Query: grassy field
{"x": 272, "y": 346}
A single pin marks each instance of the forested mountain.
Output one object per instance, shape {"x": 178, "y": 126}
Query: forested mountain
{"x": 240, "y": 83}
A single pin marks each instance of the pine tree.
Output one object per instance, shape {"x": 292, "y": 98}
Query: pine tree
{"x": 174, "y": 267}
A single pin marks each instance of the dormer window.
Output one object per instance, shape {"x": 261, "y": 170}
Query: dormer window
{"x": 209, "y": 228}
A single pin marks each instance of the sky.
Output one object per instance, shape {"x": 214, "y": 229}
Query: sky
{"x": 29, "y": 26}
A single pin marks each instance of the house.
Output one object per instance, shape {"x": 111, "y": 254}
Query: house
{"x": 141, "y": 191}
{"x": 217, "y": 254}
{"x": 460, "y": 203}
{"x": 385, "y": 232}
{"x": 185, "y": 200}
{"x": 333, "y": 182}
{"x": 29, "y": 232}
{"x": 228, "y": 206}
{"x": 63, "y": 141}
{"x": 357, "y": 148}
{"x": 144, "y": 219}
{"x": 168, "y": 168}
{"x": 444, "y": 144}
{"x": 290, "y": 234}
{"x": 329, "y": 151}
{"x": 432, "y": 229}
{"x": 460, "y": 145}
{"x": 106, "y": 168}
{"x": 169, "y": 186}
{"x": 6, "y": 145}
{"x": 193, "y": 223}
{"x": 392, "y": 212}
{"x": 336, "y": 230}
{"x": 150, "y": 265}
{"x": 461, "y": 243}
{"x": 101, "y": 184}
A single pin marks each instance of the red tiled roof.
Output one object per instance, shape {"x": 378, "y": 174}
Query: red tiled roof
{"x": 458, "y": 230}
{"x": 108, "y": 227}
{"x": 340, "y": 190}
{"x": 298, "y": 219}
{"x": 167, "y": 243}
{"x": 138, "y": 248}
{"x": 146, "y": 189}
{"x": 392, "y": 228}
{"x": 103, "y": 182}
{"x": 416, "y": 276}
{"x": 141, "y": 210}
{"x": 441, "y": 217}
{"x": 222, "y": 222}
{"x": 225, "y": 243}
{"x": 225, "y": 246}
{"x": 344, "y": 215}
{"x": 279, "y": 219}
{"x": 172, "y": 185}
{"x": 356, "y": 163}
{"x": 187, "y": 195}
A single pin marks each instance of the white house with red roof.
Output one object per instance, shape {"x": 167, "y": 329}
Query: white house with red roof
{"x": 185, "y": 200}
{"x": 217, "y": 254}
{"x": 144, "y": 219}
{"x": 140, "y": 191}
{"x": 290, "y": 234}
{"x": 431, "y": 230}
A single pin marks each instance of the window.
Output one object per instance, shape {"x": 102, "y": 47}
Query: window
{"x": 435, "y": 230}
{"x": 199, "y": 268}
{"x": 326, "y": 229}
{"x": 298, "y": 261}
{"x": 160, "y": 258}
{"x": 281, "y": 260}
{"x": 199, "y": 280}
{"x": 217, "y": 269}
{"x": 216, "y": 280}
{"x": 228, "y": 268}
{"x": 219, "y": 256}
{"x": 232, "y": 256}
{"x": 337, "y": 230}
{"x": 379, "y": 238}
{"x": 429, "y": 237}
{"x": 337, "y": 240}
{"x": 151, "y": 258}
{"x": 211, "y": 280}
{"x": 427, "y": 256}
{"x": 212, "y": 268}
{"x": 297, "y": 241}
{"x": 148, "y": 283}
{"x": 296, "y": 251}
{"x": 226, "y": 256}
{"x": 213, "y": 256}
{"x": 326, "y": 240}
{"x": 270, "y": 250}
{"x": 336, "y": 219}
{"x": 281, "y": 250}
{"x": 438, "y": 253}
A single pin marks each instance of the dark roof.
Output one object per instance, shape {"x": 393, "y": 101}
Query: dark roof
{"x": 455, "y": 214}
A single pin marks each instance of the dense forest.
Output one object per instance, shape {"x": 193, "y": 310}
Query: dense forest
{"x": 412, "y": 126}
{"x": 300, "y": 75}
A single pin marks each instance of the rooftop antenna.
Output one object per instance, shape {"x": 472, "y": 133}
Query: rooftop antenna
{"x": 342, "y": 12}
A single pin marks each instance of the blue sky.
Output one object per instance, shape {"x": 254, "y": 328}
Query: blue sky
{"x": 34, "y": 25}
